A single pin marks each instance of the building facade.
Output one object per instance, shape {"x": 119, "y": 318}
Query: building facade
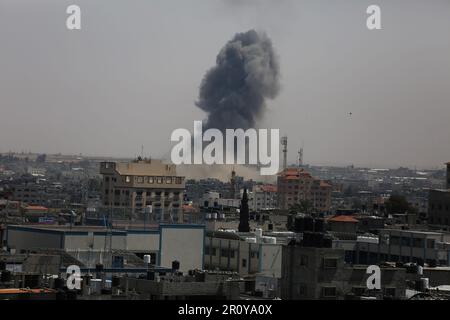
{"x": 296, "y": 185}
{"x": 439, "y": 208}
{"x": 321, "y": 274}
{"x": 144, "y": 185}
{"x": 264, "y": 197}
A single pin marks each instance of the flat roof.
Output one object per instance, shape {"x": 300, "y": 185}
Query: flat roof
{"x": 414, "y": 231}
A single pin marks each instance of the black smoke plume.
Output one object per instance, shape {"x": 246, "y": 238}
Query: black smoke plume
{"x": 233, "y": 92}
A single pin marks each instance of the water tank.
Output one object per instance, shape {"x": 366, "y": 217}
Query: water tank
{"x": 258, "y": 232}
{"x": 87, "y": 279}
{"x": 419, "y": 270}
{"x": 147, "y": 259}
{"x": 425, "y": 283}
{"x": 175, "y": 265}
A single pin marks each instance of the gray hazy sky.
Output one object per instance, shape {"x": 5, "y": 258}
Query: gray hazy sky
{"x": 132, "y": 74}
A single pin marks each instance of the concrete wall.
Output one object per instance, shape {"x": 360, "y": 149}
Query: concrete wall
{"x": 270, "y": 256}
{"x": 142, "y": 240}
{"x": 103, "y": 240}
{"x": 232, "y": 255}
{"x": 78, "y": 240}
{"x": 28, "y": 238}
{"x": 184, "y": 243}
{"x": 305, "y": 275}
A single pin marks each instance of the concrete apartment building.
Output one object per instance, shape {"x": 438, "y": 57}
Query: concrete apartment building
{"x": 395, "y": 245}
{"x": 245, "y": 254}
{"x": 295, "y": 185}
{"x": 310, "y": 273}
{"x": 144, "y": 185}
{"x": 264, "y": 197}
{"x": 439, "y": 205}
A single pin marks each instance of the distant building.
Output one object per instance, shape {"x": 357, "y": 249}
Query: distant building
{"x": 448, "y": 175}
{"x": 37, "y": 172}
{"x": 33, "y": 213}
{"x": 392, "y": 245}
{"x": 439, "y": 208}
{"x": 310, "y": 273}
{"x": 296, "y": 185}
{"x": 246, "y": 254}
{"x": 343, "y": 224}
{"x": 264, "y": 197}
{"x": 144, "y": 185}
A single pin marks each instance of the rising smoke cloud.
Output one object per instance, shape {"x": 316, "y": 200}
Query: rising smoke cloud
{"x": 233, "y": 92}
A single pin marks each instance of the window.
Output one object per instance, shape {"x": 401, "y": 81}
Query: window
{"x": 330, "y": 263}
{"x": 169, "y": 180}
{"x": 150, "y": 180}
{"x": 140, "y": 179}
{"x": 302, "y": 290}
{"x": 304, "y": 260}
{"x": 406, "y": 241}
{"x": 127, "y": 179}
{"x": 244, "y": 263}
{"x": 329, "y": 292}
{"x": 430, "y": 243}
{"x": 418, "y": 242}
{"x": 159, "y": 180}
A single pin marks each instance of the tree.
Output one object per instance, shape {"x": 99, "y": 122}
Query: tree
{"x": 398, "y": 204}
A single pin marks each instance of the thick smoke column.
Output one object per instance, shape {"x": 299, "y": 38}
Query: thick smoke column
{"x": 233, "y": 92}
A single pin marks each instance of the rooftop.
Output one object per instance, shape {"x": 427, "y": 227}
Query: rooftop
{"x": 342, "y": 218}
{"x": 145, "y": 167}
{"x": 36, "y": 208}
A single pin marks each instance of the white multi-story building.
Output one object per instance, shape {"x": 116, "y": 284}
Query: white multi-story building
{"x": 264, "y": 197}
